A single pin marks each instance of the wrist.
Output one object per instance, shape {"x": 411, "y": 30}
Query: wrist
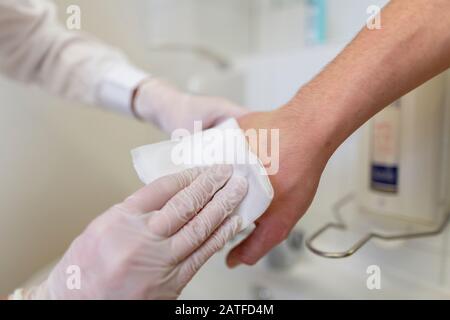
{"x": 298, "y": 146}
{"x": 157, "y": 101}
{"x": 117, "y": 86}
{"x": 320, "y": 120}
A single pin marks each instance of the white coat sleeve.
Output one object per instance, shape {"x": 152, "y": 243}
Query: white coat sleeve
{"x": 35, "y": 48}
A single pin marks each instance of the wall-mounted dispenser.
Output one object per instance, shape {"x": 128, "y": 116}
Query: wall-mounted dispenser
{"x": 405, "y": 157}
{"x": 404, "y": 174}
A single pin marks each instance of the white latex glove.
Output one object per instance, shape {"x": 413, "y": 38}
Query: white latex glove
{"x": 152, "y": 244}
{"x": 170, "y": 109}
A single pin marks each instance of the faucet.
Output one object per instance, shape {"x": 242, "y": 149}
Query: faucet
{"x": 287, "y": 253}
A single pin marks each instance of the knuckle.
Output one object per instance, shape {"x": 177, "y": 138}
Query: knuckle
{"x": 159, "y": 223}
{"x": 206, "y": 185}
{"x": 196, "y": 232}
{"x": 120, "y": 207}
{"x": 172, "y": 259}
{"x": 219, "y": 239}
{"x": 187, "y": 199}
{"x": 165, "y": 184}
{"x": 222, "y": 235}
{"x": 236, "y": 189}
{"x": 104, "y": 224}
{"x": 225, "y": 202}
{"x": 220, "y": 206}
{"x": 200, "y": 229}
{"x": 182, "y": 204}
{"x": 219, "y": 173}
{"x": 199, "y": 195}
{"x": 185, "y": 178}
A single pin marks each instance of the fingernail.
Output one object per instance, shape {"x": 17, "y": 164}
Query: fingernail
{"x": 233, "y": 262}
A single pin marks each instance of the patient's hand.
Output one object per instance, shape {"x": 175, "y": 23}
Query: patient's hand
{"x": 302, "y": 157}
{"x": 363, "y": 79}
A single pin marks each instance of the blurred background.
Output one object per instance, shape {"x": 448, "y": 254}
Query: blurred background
{"x": 63, "y": 163}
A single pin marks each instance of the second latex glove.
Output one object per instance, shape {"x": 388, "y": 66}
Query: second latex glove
{"x": 170, "y": 109}
{"x": 152, "y": 244}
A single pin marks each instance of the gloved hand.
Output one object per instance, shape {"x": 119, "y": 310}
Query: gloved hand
{"x": 170, "y": 109}
{"x": 152, "y": 244}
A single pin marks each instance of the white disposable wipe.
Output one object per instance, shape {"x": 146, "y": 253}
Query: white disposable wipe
{"x": 225, "y": 143}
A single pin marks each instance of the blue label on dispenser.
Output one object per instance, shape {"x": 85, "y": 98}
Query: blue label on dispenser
{"x": 385, "y": 152}
{"x": 384, "y": 178}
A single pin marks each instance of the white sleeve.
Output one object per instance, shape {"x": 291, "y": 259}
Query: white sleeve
{"x": 34, "y": 48}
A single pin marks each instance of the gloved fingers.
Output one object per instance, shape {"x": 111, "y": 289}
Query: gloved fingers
{"x": 156, "y": 194}
{"x": 216, "y": 242}
{"x": 200, "y": 228}
{"x": 182, "y": 207}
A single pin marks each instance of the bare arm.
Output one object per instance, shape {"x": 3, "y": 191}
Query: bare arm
{"x": 376, "y": 68}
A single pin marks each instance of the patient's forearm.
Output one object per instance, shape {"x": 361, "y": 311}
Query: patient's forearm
{"x": 378, "y": 67}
